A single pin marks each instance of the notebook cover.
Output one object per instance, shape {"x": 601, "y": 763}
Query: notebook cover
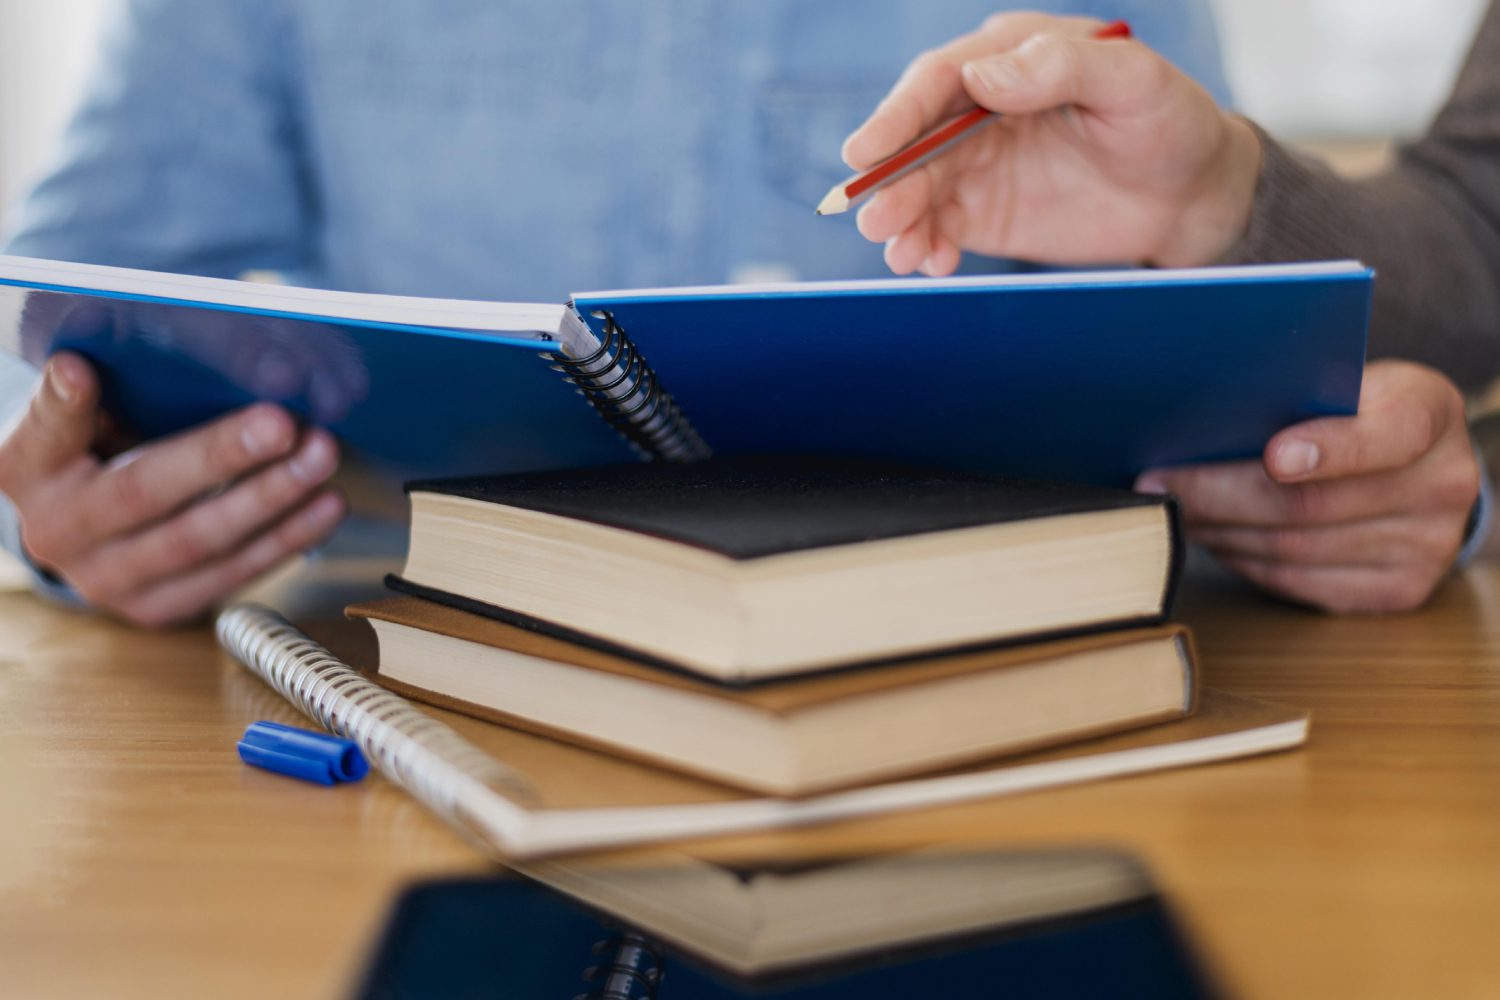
{"x": 1085, "y": 377}
{"x": 750, "y": 506}
{"x": 778, "y": 697}
{"x": 404, "y": 401}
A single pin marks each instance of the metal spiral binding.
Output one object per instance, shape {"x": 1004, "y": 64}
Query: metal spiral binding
{"x": 633, "y": 965}
{"x": 420, "y": 754}
{"x": 624, "y": 390}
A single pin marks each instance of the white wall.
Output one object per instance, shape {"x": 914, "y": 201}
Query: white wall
{"x": 1305, "y": 68}
{"x": 45, "y": 46}
{"x": 1328, "y": 69}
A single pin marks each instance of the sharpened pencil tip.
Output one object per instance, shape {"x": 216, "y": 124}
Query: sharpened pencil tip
{"x": 835, "y": 202}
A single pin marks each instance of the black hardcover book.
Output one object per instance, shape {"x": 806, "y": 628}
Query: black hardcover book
{"x": 747, "y": 568}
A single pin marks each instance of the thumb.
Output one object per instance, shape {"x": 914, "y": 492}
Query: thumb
{"x": 1052, "y": 70}
{"x": 58, "y": 426}
{"x": 1405, "y": 410}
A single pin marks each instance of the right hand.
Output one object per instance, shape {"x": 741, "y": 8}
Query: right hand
{"x": 1105, "y": 153}
{"x": 161, "y": 533}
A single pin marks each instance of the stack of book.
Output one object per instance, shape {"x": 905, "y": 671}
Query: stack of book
{"x": 790, "y": 625}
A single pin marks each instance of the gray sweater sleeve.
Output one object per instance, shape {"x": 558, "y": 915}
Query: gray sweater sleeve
{"x": 1429, "y": 226}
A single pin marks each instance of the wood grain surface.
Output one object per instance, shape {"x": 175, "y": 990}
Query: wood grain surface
{"x": 139, "y": 857}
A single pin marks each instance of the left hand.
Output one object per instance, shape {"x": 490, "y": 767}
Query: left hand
{"x": 1361, "y": 514}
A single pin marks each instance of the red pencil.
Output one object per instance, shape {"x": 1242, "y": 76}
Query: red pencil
{"x": 846, "y": 193}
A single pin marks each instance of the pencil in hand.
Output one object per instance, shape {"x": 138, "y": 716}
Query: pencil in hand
{"x": 845, "y": 194}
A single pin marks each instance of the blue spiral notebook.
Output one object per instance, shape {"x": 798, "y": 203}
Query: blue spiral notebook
{"x": 1086, "y": 376}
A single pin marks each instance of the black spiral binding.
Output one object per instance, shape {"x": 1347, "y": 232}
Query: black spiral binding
{"x": 631, "y": 970}
{"x": 624, "y": 390}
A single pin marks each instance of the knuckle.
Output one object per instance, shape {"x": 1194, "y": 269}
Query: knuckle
{"x": 1290, "y": 544}
{"x": 289, "y": 537}
{"x": 99, "y": 587}
{"x": 1304, "y": 502}
{"x": 128, "y": 491}
{"x": 41, "y": 541}
{"x": 188, "y": 541}
{"x": 1450, "y": 401}
{"x": 927, "y": 61}
{"x": 1422, "y": 429}
{"x": 1002, "y": 21}
{"x": 1041, "y": 44}
{"x": 276, "y": 490}
{"x": 1347, "y": 449}
{"x": 1052, "y": 57}
{"x": 1439, "y": 545}
{"x": 1155, "y": 74}
{"x": 1458, "y": 484}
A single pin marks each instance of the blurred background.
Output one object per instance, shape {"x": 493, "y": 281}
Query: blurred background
{"x": 1343, "y": 76}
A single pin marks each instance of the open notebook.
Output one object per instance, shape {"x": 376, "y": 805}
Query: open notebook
{"x": 1087, "y": 376}
{"x": 523, "y": 796}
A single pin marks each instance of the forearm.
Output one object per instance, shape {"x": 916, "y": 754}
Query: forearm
{"x": 1429, "y": 226}
{"x": 1435, "y": 253}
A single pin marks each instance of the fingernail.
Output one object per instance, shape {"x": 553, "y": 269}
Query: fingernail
{"x": 264, "y": 435}
{"x": 328, "y": 509}
{"x": 315, "y": 461}
{"x": 1296, "y": 458}
{"x": 994, "y": 74}
{"x": 1150, "y": 482}
{"x": 61, "y": 384}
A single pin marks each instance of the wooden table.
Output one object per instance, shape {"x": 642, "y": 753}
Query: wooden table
{"x": 138, "y": 857}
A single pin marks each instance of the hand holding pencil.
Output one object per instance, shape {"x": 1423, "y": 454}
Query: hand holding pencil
{"x": 1100, "y": 152}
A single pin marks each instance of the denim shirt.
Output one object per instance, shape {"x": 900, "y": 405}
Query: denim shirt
{"x": 496, "y": 149}
{"x": 492, "y": 148}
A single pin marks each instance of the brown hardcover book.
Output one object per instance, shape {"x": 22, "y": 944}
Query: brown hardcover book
{"x": 525, "y": 795}
{"x": 796, "y": 736}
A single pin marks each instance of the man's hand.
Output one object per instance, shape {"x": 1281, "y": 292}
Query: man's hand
{"x": 159, "y": 534}
{"x": 1105, "y": 152}
{"x": 1348, "y": 514}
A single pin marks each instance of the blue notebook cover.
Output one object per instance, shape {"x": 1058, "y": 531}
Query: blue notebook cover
{"x": 1073, "y": 376}
{"x": 1081, "y": 376}
{"x": 406, "y": 401}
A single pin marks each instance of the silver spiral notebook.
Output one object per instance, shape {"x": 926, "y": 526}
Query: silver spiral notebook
{"x": 522, "y": 795}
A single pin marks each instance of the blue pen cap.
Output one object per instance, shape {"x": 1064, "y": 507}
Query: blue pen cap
{"x": 302, "y": 753}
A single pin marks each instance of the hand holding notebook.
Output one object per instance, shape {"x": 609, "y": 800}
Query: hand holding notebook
{"x": 164, "y": 536}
